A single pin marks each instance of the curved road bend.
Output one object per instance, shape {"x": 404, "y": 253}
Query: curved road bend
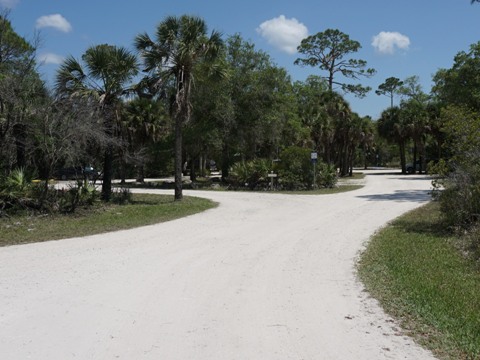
{"x": 263, "y": 276}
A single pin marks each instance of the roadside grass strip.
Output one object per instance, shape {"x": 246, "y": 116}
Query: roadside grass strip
{"x": 145, "y": 209}
{"x": 421, "y": 278}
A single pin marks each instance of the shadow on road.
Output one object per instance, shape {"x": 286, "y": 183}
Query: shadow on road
{"x": 412, "y": 177}
{"x": 384, "y": 172}
{"x": 400, "y": 195}
{"x": 399, "y": 175}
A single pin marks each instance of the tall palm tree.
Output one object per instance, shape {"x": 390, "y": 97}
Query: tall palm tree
{"x": 104, "y": 77}
{"x": 415, "y": 116}
{"x": 340, "y": 115}
{"x": 145, "y": 123}
{"x": 180, "y": 43}
{"x": 392, "y": 128}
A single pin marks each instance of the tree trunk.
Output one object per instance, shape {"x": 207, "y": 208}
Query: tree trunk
{"x": 141, "y": 173}
{"x": 201, "y": 169}
{"x": 414, "y": 157}
{"x": 344, "y": 163}
{"x": 225, "y": 162}
{"x": 350, "y": 162}
{"x": 19, "y": 132}
{"x": 403, "y": 161}
{"x": 365, "y": 165}
{"x": 193, "y": 169}
{"x": 123, "y": 168}
{"x": 107, "y": 174}
{"x": 108, "y": 157}
{"x": 178, "y": 159}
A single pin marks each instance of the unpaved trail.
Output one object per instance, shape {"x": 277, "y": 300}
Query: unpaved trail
{"x": 263, "y": 276}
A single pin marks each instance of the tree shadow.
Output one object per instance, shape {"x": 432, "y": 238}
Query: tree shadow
{"x": 385, "y": 172}
{"x": 400, "y": 196}
{"x": 400, "y": 176}
{"x": 412, "y": 177}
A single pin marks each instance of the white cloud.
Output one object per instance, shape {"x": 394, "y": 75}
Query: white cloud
{"x": 8, "y": 4}
{"x": 284, "y": 34}
{"x": 386, "y": 42}
{"x": 50, "y": 58}
{"x": 56, "y": 21}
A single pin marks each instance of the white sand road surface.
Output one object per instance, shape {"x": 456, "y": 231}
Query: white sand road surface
{"x": 262, "y": 276}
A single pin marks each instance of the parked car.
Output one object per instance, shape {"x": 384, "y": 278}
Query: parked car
{"x": 78, "y": 172}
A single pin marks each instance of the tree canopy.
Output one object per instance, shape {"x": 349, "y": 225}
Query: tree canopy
{"x": 461, "y": 83}
{"x": 389, "y": 88}
{"x": 180, "y": 44}
{"x": 329, "y": 51}
{"x": 104, "y": 76}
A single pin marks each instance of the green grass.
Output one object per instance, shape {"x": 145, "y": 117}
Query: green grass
{"x": 416, "y": 271}
{"x": 145, "y": 209}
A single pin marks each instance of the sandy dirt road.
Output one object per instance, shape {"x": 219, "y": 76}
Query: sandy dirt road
{"x": 263, "y": 276}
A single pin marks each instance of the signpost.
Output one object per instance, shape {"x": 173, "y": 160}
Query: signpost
{"x": 272, "y": 176}
{"x": 313, "y": 158}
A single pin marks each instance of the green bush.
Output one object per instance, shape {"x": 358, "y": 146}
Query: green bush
{"x": 15, "y": 192}
{"x": 296, "y": 170}
{"x": 458, "y": 192}
{"x": 457, "y": 179}
{"x": 122, "y": 196}
{"x": 326, "y": 175}
{"x": 251, "y": 174}
{"x": 80, "y": 194}
{"x": 19, "y": 193}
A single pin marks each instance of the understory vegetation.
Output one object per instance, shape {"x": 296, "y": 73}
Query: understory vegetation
{"x": 294, "y": 172}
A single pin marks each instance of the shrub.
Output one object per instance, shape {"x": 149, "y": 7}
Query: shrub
{"x": 251, "y": 174}
{"x": 80, "y": 194}
{"x": 296, "y": 170}
{"x": 15, "y": 191}
{"x": 326, "y": 175}
{"x": 19, "y": 193}
{"x": 459, "y": 195}
{"x": 121, "y": 196}
{"x": 457, "y": 179}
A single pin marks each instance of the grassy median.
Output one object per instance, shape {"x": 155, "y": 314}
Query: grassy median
{"x": 415, "y": 268}
{"x": 144, "y": 209}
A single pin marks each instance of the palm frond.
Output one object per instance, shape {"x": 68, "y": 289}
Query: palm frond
{"x": 70, "y": 74}
{"x": 143, "y": 42}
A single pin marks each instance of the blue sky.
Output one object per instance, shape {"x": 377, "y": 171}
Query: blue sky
{"x": 398, "y": 38}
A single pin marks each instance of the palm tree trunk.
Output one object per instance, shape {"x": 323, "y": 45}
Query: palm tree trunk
{"x": 178, "y": 158}
{"x": 123, "y": 167}
{"x": 193, "y": 169}
{"x": 225, "y": 161}
{"x": 141, "y": 173}
{"x": 107, "y": 174}
{"x": 19, "y": 132}
{"x": 414, "y": 157}
{"x": 108, "y": 157}
{"x": 365, "y": 165}
{"x": 402, "y": 156}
